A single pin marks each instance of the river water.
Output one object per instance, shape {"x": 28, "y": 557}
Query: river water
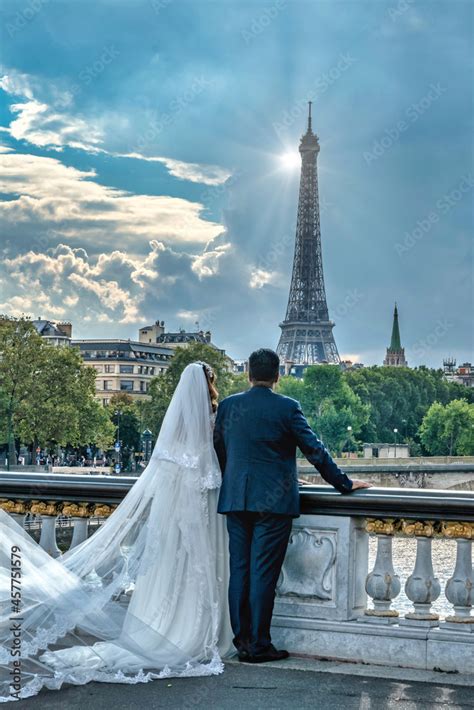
{"x": 404, "y": 555}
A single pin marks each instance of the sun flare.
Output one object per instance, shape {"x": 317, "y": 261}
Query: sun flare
{"x": 290, "y": 160}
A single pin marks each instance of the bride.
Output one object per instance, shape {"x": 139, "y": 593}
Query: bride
{"x": 145, "y": 596}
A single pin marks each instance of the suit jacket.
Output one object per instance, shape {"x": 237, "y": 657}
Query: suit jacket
{"x": 255, "y": 436}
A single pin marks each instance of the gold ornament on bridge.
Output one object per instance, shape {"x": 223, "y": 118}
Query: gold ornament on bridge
{"x": 102, "y": 510}
{"x": 418, "y": 528}
{"x": 76, "y": 510}
{"x": 454, "y": 528}
{"x": 13, "y": 506}
{"x": 382, "y": 527}
{"x": 41, "y": 507}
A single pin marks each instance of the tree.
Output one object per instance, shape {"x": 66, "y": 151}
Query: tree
{"x": 399, "y": 398}
{"x": 448, "y": 430}
{"x": 48, "y": 392}
{"x": 329, "y": 403}
{"x": 60, "y": 409}
{"x": 163, "y": 386}
{"x": 21, "y": 351}
{"x": 237, "y": 383}
{"x": 130, "y": 423}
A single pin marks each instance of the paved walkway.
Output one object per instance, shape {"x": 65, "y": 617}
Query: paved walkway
{"x": 289, "y": 685}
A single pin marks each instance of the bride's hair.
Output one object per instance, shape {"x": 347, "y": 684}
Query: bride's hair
{"x": 211, "y": 384}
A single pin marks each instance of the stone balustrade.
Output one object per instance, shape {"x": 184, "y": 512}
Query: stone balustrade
{"x": 329, "y": 603}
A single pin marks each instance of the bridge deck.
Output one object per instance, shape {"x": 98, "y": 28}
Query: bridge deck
{"x": 296, "y": 684}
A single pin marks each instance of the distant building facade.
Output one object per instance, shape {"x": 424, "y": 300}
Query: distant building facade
{"x": 123, "y": 365}
{"x": 127, "y": 365}
{"x": 54, "y": 333}
{"x": 395, "y": 355}
{"x": 386, "y": 451}
{"x": 157, "y": 334}
{"x": 464, "y": 374}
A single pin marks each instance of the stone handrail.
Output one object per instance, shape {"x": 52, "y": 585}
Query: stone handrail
{"x": 321, "y": 607}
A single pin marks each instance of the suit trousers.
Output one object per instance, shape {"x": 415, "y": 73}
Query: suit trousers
{"x": 257, "y": 545}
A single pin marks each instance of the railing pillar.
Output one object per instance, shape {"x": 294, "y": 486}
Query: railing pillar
{"x": 459, "y": 589}
{"x": 79, "y": 531}
{"x": 48, "y": 535}
{"x": 422, "y": 587}
{"x": 48, "y": 513}
{"x": 383, "y": 583}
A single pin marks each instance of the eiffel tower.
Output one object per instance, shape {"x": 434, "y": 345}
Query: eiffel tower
{"x": 306, "y": 333}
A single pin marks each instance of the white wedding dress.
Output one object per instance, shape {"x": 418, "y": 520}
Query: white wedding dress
{"x": 164, "y": 544}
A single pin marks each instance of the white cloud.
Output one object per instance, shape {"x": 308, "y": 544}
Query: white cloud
{"x": 260, "y": 278}
{"x": 207, "y": 264}
{"x": 52, "y": 284}
{"x": 194, "y": 172}
{"x": 45, "y": 124}
{"x": 47, "y": 192}
{"x": 108, "y": 288}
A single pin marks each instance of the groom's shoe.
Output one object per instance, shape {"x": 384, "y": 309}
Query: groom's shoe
{"x": 270, "y": 654}
{"x": 242, "y": 652}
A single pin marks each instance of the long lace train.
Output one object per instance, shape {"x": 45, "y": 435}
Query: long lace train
{"x": 145, "y": 596}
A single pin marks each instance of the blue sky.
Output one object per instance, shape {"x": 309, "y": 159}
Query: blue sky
{"x": 142, "y": 174}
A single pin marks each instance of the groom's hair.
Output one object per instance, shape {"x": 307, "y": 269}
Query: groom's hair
{"x": 264, "y": 365}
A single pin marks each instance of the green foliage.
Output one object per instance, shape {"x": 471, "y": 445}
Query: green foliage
{"x": 163, "y": 386}
{"x": 48, "y": 392}
{"x": 399, "y": 398}
{"x": 329, "y": 404}
{"x": 237, "y": 383}
{"x": 130, "y": 419}
{"x": 449, "y": 430}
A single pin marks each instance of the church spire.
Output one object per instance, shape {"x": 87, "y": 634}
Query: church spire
{"x": 395, "y": 355}
{"x": 395, "y": 343}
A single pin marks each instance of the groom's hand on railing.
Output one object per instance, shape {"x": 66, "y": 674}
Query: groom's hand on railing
{"x": 360, "y": 484}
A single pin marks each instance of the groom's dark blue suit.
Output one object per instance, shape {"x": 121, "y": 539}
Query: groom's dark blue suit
{"x": 256, "y": 435}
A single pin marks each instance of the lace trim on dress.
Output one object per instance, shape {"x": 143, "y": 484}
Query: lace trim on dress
{"x": 214, "y": 667}
{"x": 186, "y": 460}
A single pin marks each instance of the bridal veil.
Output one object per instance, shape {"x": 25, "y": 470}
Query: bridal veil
{"x": 146, "y": 595}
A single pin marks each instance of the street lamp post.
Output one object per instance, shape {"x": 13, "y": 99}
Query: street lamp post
{"x": 395, "y": 431}
{"x": 118, "y": 466}
{"x": 147, "y": 437}
{"x": 349, "y": 432}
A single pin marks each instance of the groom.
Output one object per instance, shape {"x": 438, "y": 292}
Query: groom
{"x": 255, "y": 437}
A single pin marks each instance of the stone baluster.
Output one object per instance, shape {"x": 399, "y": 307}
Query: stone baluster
{"x": 422, "y": 587}
{"x": 460, "y": 587}
{"x": 79, "y": 514}
{"x": 48, "y": 513}
{"x": 382, "y": 584}
{"x": 79, "y": 531}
